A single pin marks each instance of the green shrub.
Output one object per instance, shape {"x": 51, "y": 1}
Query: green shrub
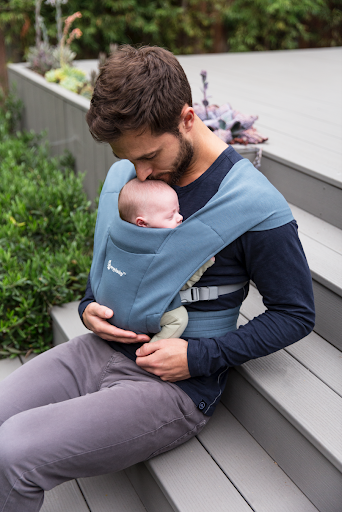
{"x": 183, "y": 26}
{"x": 283, "y": 24}
{"x": 46, "y": 236}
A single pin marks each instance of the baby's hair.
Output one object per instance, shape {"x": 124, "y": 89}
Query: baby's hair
{"x": 136, "y": 195}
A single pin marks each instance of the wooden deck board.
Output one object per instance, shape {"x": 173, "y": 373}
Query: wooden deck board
{"x": 318, "y": 229}
{"x": 193, "y": 482}
{"x": 306, "y": 402}
{"x": 318, "y": 479}
{"x": 325, "y": 264}
{"x": 313, "y": 352}
{"x": 321, "y": 358}
{"x": 110, "y": 493}
{"x": 64, "y": 498}
{"x": 253, "y": 472}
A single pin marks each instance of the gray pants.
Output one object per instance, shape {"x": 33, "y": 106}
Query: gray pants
{"x": 82, "y": 409}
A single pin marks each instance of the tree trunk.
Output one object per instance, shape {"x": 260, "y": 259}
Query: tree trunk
{"x": 3, "y": 69}
{"x": 219, "y": 37}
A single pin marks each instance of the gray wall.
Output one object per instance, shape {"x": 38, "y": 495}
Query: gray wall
{"x": 62, "y": 114}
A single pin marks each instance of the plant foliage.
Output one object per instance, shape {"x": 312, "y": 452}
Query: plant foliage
{"x": 184, "y": 26}
{"x": 73, "y": 79}
{"x": 283, "y": 24}
{"x": 46, "y": 236}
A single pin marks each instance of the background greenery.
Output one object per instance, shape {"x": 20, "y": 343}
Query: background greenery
{"x": 46, "y": 236}
{"x": 183, "y": 26}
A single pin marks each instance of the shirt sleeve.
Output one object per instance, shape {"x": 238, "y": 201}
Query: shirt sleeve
{"x": 275, "y": 262}
{"x": 87, "y": 299}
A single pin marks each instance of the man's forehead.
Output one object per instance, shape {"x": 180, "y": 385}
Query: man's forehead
{"x": 137, "y": 145}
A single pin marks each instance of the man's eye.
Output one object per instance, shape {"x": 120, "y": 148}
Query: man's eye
{"x": 150, "y": 157}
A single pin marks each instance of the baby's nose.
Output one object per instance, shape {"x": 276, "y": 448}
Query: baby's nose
{"x": 180, "y": 218}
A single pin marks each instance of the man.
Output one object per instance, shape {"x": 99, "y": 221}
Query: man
{"x": 104, "y": 401}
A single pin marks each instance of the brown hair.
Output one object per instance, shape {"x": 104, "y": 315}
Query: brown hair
{"x": 138, "y": 88}
{"x": 136, "y": 196}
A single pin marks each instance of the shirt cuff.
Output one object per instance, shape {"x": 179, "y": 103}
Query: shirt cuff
{"x": 81, "y": 309}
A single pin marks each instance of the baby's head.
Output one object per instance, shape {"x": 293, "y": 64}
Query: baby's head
{"x": 149, "y": 204}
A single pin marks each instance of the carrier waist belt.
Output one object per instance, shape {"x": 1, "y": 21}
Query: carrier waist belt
{"x": 211, "y": 324}
{"x": 196, "y": 294}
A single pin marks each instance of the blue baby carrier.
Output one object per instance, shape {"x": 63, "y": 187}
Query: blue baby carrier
{"x": 138, "y": 272}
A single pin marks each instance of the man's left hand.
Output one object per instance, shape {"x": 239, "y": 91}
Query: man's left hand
{"x": 165, "y": 358}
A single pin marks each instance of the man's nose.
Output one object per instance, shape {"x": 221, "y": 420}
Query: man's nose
{"x": 143, "y": 170}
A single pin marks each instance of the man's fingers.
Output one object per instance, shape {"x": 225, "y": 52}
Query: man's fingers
{"x": 165, "y": 358}
{"x": 147, "y": 349}
{"x": 100, "y": 311}
{"x": 95, "y": 318}
{"x": 111, "y": 333}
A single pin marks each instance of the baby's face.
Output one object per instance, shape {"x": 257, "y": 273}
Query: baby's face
{"x": 166, "y": 214}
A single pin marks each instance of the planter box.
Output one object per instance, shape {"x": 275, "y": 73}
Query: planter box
{"x": 61, "y": 113}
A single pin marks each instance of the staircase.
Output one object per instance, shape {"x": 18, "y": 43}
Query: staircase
{"x": 275, "y": 442}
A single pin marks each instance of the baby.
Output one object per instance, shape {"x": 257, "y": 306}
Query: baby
{"x": 154, "y": 204}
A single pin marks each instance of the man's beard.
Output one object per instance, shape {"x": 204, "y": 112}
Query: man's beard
{"x": 180, "y": 165}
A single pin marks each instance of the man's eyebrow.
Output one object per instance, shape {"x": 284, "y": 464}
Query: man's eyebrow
{"x": 142, "y": 157}
{"x": 148, "y": 155}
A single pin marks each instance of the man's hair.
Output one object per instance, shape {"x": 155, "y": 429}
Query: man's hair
{"x": 137, "y": 195}
{"x": 138, "y": 88}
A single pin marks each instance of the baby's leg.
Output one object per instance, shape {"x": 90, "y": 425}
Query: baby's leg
{"x": 173, "y": 324}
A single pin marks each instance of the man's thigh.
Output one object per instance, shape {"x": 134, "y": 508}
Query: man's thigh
{"x": 131, "y": 417}
{"x": 67, "y": 371}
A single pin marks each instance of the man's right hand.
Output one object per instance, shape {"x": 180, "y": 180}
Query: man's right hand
{"x": 95, "y": 318}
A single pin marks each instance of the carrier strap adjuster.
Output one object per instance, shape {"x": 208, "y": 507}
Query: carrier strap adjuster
{"x": 196, "y": 294}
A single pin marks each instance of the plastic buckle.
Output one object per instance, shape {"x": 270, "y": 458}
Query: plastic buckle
{"x": 190, "y": 295}
{"x": 208, "y": 293}
{"x": 195, "y": 294}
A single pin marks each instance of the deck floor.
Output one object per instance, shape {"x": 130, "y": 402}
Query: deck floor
{"x": 296, "y": 94}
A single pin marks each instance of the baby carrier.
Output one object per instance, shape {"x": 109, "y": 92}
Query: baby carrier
{"x": 138, "y": 272}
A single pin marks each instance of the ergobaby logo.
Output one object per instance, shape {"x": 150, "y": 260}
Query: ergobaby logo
{"x": 113, "y": 269}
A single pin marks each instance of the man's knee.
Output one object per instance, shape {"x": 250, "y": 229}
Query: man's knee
{"x": 19, "y": 452}
{"x": 11, "y": 451}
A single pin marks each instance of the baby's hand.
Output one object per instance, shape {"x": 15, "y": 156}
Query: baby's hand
{"x": 213, "y": 259}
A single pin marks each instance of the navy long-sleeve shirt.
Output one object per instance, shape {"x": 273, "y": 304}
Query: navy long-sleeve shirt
{"x": 274, "y": 260}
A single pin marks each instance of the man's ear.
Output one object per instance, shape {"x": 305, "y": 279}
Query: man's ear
{"x": 141, "y": 222}
{"x": 187, "y": 118}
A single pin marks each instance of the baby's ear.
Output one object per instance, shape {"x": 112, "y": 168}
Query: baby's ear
{"x": 141, "y": 222}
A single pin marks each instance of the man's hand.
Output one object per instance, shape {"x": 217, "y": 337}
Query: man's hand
{"x": 165, "y": 358}
{"x": 95, "y": 318}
